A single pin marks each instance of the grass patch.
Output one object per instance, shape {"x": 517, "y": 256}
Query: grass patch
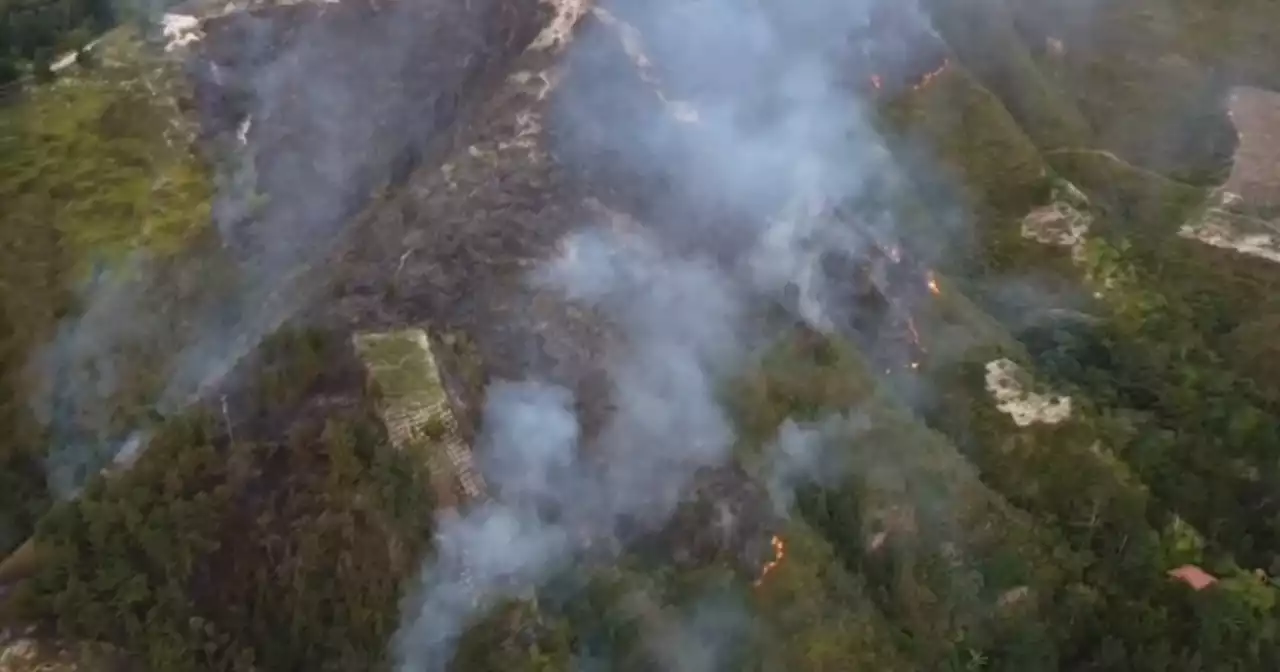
{"x": 92, "y": 169}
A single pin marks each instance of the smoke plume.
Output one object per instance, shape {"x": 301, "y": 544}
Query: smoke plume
{"x": 549, "y": 503}
{"x": 306, "y": 110}
{"x": 778, "y": 142}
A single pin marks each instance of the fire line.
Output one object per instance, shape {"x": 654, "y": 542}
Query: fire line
{"x": 779, "y": 552}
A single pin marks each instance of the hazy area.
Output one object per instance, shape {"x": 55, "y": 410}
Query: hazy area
{"x": 614, "y": 335}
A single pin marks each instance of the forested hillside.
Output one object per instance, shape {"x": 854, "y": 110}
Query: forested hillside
{"x": 33, "y": 34}
{"x": 644, "y": 336}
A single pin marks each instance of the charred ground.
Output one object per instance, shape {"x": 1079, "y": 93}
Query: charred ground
{"x": 410, "y": 164}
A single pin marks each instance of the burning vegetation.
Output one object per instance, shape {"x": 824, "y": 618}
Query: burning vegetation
{"x": 779, "y": 553}
{"x": 918, "y": 84}
{"x": 899, "y": 51}
{"x": 341, "y": 514}
{"x": 883, "y": 290}
{"x": 727, "y": 518}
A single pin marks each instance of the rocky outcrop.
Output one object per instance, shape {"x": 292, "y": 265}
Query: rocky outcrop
{"x": 1255, "y": 170}
{"x": 545, "y": 155}
{"x": 1241, "y": 215}
{"x": 1008, "y": 387}
{"x": 1224, "y": 229}
{"x": 1063, "y": 222}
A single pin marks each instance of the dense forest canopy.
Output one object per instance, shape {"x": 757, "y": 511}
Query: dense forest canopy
{"x": 34, "y": 34}
{"x": 519, "y": 406}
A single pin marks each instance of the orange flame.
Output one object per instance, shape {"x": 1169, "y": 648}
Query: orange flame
{"x": 930, "y": 76}
{"x": 779, "y": 552}
{"x": 932, "y": 282}
{"x": 925, "y": 80}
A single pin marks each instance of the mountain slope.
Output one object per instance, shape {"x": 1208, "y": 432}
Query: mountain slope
{"x": 961, "y": 393}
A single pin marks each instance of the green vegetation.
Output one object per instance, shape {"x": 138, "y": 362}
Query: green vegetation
{"x": 1209, "y": 424}
{"x": 1148, "y": 473}
{"x": 985, "y": 38}
{"x": 106, "y": 162}
{"x": 237, "y": 556}
{"x": 810, "y": 612}
{"x": 1146, "y": 203}
{"x": 1086, "y": 582}
{"x": 820, "y": 615}
{"x": 982, "y": 149}
{"x": 951, "y": 548}
{"x": 34, "y": 33}
{"x": 92, "y": 170}
{"x": 285, "y": 533}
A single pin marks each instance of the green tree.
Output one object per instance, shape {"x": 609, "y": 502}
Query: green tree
{"x": 207, "y": 555}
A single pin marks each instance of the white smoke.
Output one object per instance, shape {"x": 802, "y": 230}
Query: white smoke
{"x": 340, "y": 101}
{"x": 711, "y": 636}
{"x": 809, "y": 454}
{"x": 681, "y": 320}
{"x": 778, "y": 141}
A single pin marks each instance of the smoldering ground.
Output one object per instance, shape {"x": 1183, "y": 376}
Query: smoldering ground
{"x": 777, "y": 144}
{"x": 299, "y": 139}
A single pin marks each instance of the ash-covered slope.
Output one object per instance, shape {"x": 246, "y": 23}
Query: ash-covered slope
{"x": 626, "y": 207}
{"x": 334, "y": 100}
{"x": 556, "y": 150}
{"x": 605, "y": 170}
{"x": 548, "y": 170}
